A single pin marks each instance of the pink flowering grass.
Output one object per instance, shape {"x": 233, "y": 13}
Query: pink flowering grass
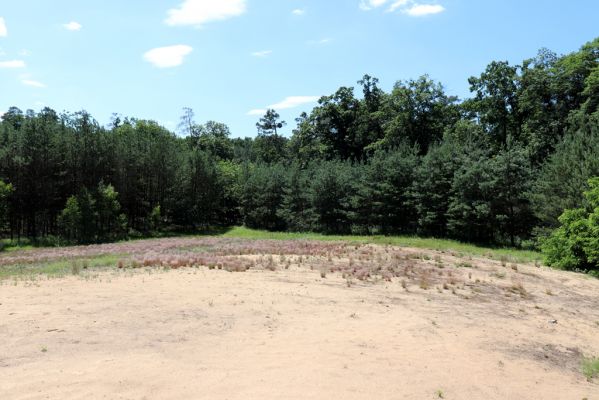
{"x": 361, "y": 262}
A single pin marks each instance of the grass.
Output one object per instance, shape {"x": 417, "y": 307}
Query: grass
{"x": 508, "y": 254}
{"x": 60, "y": 267}
{"x": 590, "y": 368}
{"x": 67, "y": 266}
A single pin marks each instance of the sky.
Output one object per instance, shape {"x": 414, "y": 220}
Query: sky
{"x": 230, "y": 60}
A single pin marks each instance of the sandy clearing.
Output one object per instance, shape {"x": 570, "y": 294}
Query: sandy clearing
{"x": 210, "y": 334}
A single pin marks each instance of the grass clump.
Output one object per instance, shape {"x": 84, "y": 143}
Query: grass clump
{"x": 459, "y": 248}
{"x": 590, "y": 368}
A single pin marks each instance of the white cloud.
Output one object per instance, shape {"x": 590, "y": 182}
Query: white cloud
{"x": 419, "y": 10}
{"x": 322, "y": 41}
{"x": 294, "y": 101}
{"x": 367, "y": 5}
{"x": 167, "y": 57}
{"x": 263, "y": 53}
{"x": 199, "y": 12}
{"x": 287, "y": 103}
{"x": 409, "y": 7}
{"x": 25, "y": 53}
{"x": 12, "y": 64}
{"x": 298, "y": 12}
{"x": 3, "y": 30}
{"x": 32, "y": 83}
{"x": 397, "y": 4}
{"x": 72, "y": 26}
{"x": 257, "y": 111}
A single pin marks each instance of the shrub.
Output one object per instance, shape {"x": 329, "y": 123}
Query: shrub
{"x": 575, "y": 244}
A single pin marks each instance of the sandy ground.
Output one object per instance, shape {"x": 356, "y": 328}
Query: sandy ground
{"x": 195, "y": 333}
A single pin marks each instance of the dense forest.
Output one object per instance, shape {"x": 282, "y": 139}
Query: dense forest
{"x": 499, "y": 167}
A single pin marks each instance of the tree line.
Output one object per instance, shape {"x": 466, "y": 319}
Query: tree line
{"x": 499, "y": 167}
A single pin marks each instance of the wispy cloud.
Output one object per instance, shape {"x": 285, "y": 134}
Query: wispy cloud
{"x": 420, "y": 10}
{"x": 368, "y": 5}
{"x": 3, "y": 30}
{"x": 263, "y": 53}
{"x": 397, "y": 4}
{"x": 32, "y": 83}
{"x": 12, "y": 64}
{"x": 168, "y": 57}
{"x": 322, "y": 41}
{"x": 25, "y": 53}
{"x": 408, "y": 7}
{"x": 198, "y": 12}
{"x": 257, "y": 111}
{"x": 287, "y": 103}
{"x": 72, "y": 26}
{"x": 298, "y": 12}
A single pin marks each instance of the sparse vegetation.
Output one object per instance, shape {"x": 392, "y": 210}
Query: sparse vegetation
{"x": 590, "y": 368}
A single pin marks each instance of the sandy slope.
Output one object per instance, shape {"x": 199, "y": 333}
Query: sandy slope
{"x": 289, "y": 334}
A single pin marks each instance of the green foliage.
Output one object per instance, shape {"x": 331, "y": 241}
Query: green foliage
{"x": 262, "y": 197}
{"x": 270, "y": 123}
{"x": 384, "y": 201}
{"x": 562, "y": 180}
{"x": 575, "y": 244}
{"x": 295, "y": 208}
{"x": 494, "y": 168}
{"x": 432, "y": 187}
{"x": 418, "y": 111}
{"x": 70, "y": 219}
{"x": 590, "y": 368}
{"x": 6, "y": 190}
{"x": 111, "y": 223}
{"x": 330, "y": 197}
{"x": 156, "y": 219}
{"x": 470, "y": 209}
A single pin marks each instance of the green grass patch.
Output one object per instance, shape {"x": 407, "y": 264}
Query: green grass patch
{"x": 510, "y": 254}
{"x": 58, "y": 268}
{"x": 590, "y": 368}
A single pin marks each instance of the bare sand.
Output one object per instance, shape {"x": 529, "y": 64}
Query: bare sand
{"x": 195, "y": 333}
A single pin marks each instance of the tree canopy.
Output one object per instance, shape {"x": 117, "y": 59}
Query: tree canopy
{"x": 499, "y": 167}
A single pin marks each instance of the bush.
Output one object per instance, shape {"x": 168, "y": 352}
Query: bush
{"x": 575, "y": 244}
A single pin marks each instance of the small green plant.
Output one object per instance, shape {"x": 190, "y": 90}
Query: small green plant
{"x": 464, "y": 264}
{"x": 44, "y": 349}
{"x": 75, "y": 268}
{"x": 590, "y": 368}
{"x": 440, "y": 395}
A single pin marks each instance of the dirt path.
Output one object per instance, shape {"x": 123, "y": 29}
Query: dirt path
{"x": 207, "y": 334}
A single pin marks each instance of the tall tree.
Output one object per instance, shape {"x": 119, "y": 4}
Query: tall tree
{"x": 270, "y": 123}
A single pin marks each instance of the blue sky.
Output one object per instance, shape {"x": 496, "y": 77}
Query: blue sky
{"x": 229, "y": 59}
